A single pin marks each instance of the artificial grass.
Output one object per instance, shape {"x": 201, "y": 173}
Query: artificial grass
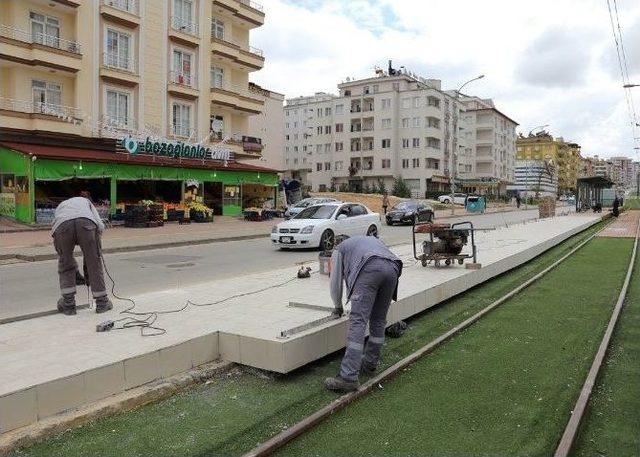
{"x": 611, "y": 426}
{"x": 232, "y": 414}
{"x": 631, "y": 203}
{"x": 505, "y": 386}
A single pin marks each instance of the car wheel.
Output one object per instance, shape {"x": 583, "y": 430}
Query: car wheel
{"x": 327, "y": 240}
{"x": 389, "y": 223}
{"x": 372, "y": 231}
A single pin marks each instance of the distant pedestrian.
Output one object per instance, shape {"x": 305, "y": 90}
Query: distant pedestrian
{"x": 77, "y": 222}
{"x": 385, "y": 202}
{"x": 518, "y": 200}
{"x": 616, "y": 206}
{"x": 371, "y": 272}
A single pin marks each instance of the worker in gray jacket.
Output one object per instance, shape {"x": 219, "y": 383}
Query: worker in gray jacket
{"x": 77, "y": 222}
{"x": 370, "y": 271}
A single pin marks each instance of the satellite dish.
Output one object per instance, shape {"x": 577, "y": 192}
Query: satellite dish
{"x": 348, "y": 79}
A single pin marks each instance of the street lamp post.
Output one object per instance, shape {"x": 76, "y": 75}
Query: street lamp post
{"x": 455, "y": 143}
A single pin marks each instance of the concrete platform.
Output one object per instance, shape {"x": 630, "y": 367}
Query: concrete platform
{"x": 55, "y": 363}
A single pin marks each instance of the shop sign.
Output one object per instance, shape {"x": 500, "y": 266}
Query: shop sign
{"x": 175, "y": 150}
{"x": 8, "y": 204}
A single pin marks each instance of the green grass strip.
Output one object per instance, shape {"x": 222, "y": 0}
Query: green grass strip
{"x": 231, "y": 415}
{"x": 504, "y": 386}
{"x": 611, "y": 426}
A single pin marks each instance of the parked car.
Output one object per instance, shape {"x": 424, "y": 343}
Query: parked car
{"x": 458, "y": 198}
{"x": 404, "y": 212}
{"x": 317, "y": 226}
{"x": 304, "y": 203}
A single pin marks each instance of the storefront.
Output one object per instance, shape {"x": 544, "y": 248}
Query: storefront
{"x": 35, "y": 178}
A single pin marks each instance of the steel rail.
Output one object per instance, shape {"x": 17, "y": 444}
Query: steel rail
{"x": 276, "y": 442}
{"x": 571, "y": 430}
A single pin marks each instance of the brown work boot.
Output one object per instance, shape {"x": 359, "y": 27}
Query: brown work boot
{"x": 67, "y": 304}
{"x": 338, "y": 384}
{"x": 103, "y": 304}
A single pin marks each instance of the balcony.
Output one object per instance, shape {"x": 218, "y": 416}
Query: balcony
{"x": 38, "y": 49}
{"x": 236, "y": 97}
{"x": 252, "y": 144}
{"x": 227, "y": 47}
{"x": 184, "y": 32}
{"x": 121, "y": 69}
{"x": 246, "y": 10}
{"x": 30, "y": 115}
{"x": 123, "y": 12}
{"x": 182, "y": 131}
{"x": 183, "y": 84}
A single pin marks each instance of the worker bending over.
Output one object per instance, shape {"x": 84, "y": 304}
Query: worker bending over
{"x": 77, "y": 222}
{"x": 370, "y": 271}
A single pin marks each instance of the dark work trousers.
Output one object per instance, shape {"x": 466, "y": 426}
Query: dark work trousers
{"x": 370, "y": 302}
{"x": 84, "y": 233}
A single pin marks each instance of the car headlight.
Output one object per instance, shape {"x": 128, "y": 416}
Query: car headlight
{"x": 307, "y": 229}
{"x": 274, "y": 229}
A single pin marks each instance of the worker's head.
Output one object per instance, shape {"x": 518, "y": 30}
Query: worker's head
{"x": 86, "y": 194}
{"x": 339, "y": 239}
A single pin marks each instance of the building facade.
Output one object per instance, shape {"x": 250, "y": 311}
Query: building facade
{"x": 564, "y": 156}
{"x": 133, "y": 99}
{"x": 380, "y": 128}
{"x": 266, "y": 129}
{"x": 175, "y": 68}
{"x": 535, "y": 179}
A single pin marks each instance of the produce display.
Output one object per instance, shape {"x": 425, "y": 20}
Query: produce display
{"x": 200, "y": 212}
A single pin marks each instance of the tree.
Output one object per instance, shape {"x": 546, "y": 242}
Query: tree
{"x": 400, "y": 188}
{"x": 382, "y": 188}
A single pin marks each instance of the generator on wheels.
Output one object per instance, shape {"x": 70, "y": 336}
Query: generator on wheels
{"x": 444, "y": 243}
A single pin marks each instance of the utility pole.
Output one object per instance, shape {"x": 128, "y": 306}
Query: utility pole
{"x": 454, "y": 142}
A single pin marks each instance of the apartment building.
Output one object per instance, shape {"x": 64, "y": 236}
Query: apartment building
{"x": 86, "y": 75}
{"x": 534, "y": 178}
{"x": 625, "y": 172}
{"x": 266, "y": 129}
{"x": 374, "y": 130}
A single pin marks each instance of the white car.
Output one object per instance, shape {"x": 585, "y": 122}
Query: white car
{"x": 458, "y": 198}
{"x": 317, "y": 226}
{"x": 304, "y": 203}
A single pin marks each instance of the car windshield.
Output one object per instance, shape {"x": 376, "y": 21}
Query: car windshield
{"x": 303, "y": 203}
{"x": 405, "y": 206}
{"x": 316, "y": 212}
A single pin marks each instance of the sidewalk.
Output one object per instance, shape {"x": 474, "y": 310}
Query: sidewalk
{"x": 34, "y": 245}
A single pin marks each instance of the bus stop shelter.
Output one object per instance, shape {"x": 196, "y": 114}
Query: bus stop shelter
{"x": 589, "y": 191}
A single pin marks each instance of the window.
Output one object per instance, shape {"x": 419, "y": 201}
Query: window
{"x": 45, "y": 30}
{"x": 286, "y": 113}
{"x": 416, "y": 142}
{"x": 433, "y": 122}
{"x": 365, "y": 90}
{"x": 319, "y": 130}
{"x": 415, "y": 163}
{"x": 319, "y": 166}
{"x": 286, "y": 149}
{"x": 217, "y": 31}
{"x": 295, "y": 161}
{"x": 375, "y": 88}
{"x": 304, "y": 148}
{"x": 386, "y": 103}
{"x": 386, "y": 143}
{"x": 433, "y": 143}
{"x": 118, "y": 53}
{"x": 327, "y": 147}
{"x": 318, "y": 148}
{"x": 406, "y": 102}
{"x": 386, "y": 163}
{"x": 286, "y": 137}
{"x": 182, "y": 68}
{"x": 183, "y": 16}
{"x": 339, "y": 109}
{"x": 405, "y": 163}
{"x": 416, "y": 102}
{"x": 295, "y": 124}
{"x": 118, "y": 107}
{"x": 46, "y": 96}
{"x": 295, "y": 149}
{"x": 338, "y": 165}
{"x": 405, "y": 143}
{"x": 295, "y": 136}
{"x": 319, "y": 112}
{"x": 339, "y": 146}
{"x": 395, "y": 86}
{"x": 327, "y": 129}
{"x": 217, "y": 79}
{"x": 433, "y": 101}
{"x": 405, "y": 122}
{"x": 327, "y": 111}
{"x": 358, "y": 210}
{"x": 181, "y": 119}
{"x": 386, "y": 123}
{"x": 327, "y": 166}
{"x": 339, "y": 128}
{"x": 416, "y": 122}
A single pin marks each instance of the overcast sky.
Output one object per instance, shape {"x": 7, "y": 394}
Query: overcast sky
{"x": 546, "y": 62}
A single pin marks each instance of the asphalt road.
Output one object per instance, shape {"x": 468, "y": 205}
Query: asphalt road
{"x": 27, "y": 288}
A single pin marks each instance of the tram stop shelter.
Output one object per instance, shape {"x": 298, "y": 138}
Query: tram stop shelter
{"x": 590, "y": 190}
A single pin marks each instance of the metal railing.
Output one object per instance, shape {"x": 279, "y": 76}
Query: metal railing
{"x": 116, "y": 62}
{"x": 182, "y": 131}
{"x": 65, "y": 113}
{"x": 183, "y": 79}
{"x": 115, "y": 127}
{"x": 190, "y": 28}
{"x": 51, "y": 41}
{"x": 251, "y": 4}
{"x": 129, "y": 6}
{"x": 228, "y": 39}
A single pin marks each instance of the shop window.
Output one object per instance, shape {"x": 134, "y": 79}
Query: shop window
{"x": 118, "y": 108}
{"x": 231, "y": 196}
